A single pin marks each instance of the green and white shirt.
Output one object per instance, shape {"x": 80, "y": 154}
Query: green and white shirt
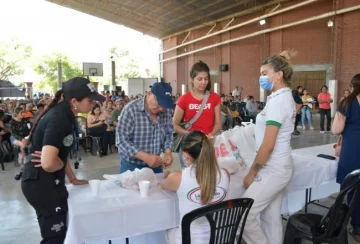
{"x": 279, "y": 111}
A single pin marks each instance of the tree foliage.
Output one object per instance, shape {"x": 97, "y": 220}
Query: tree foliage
{"x": 48, "y": 68}
{"x": 125, "y": 66}
{"x": 12, "y": 56}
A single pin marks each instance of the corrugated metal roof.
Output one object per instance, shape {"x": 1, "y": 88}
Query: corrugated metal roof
{"x": 162, "y": 18}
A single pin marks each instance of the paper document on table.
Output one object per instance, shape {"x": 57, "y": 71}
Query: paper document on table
{"x": 130, "y": 179}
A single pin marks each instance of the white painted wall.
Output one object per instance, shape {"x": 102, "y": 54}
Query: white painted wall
{"x": 135, "y": 86}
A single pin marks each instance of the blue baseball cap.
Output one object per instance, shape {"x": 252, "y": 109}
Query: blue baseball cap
{"x": 163, "y": 93}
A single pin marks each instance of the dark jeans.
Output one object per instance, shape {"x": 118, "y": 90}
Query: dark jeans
{"x": 323, "y": 113}
{"x": 126, "y": 165}
{"x": 297, "y": 120}
{"x": 105, "y": 136}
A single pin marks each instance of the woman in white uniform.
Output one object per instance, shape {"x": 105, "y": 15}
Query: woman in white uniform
{"x": 273, "y": 166}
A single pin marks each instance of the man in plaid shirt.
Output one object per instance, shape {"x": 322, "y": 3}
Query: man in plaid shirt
{"x": 145, "y": 130}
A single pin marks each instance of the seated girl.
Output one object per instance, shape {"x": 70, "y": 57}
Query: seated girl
{"x": 204, "y": 178}
{"x": 19, "y": 128}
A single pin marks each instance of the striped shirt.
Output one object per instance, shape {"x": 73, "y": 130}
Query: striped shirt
{"x": 137, "y": 132}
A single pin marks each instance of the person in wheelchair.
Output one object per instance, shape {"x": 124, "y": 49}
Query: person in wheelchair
{"x": 98, "y": 127}
{"x": 20, "y": 129}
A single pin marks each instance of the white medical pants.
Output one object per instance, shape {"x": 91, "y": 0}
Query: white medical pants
{"x": 267, "y": 190}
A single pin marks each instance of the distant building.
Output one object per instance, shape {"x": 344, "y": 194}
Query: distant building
{"x": 8, "y": 89}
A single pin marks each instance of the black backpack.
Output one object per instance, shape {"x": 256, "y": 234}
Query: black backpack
{"x": 7, "y": 152}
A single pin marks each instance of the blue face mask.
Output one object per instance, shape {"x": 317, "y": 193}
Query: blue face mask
{"x": 265, "y": 83}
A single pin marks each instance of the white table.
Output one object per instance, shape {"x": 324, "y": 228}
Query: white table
{"x": 119, "y": 213}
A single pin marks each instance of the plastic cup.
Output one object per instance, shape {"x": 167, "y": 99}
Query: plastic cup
{"x": 144, "y": 186}
{"x": 95, "y": 187}
{"x": 80, "y": 135}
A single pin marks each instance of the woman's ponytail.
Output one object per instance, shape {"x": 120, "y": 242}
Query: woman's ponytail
{"x": 54, "y": 102}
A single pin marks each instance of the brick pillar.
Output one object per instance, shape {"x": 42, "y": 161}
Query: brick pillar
{"x": 29, "y": 89}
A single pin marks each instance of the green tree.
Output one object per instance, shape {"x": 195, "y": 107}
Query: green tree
{"x": 48, "y": 68}
{"x": 12, "y": 57}
{"x": 125, "y": 66}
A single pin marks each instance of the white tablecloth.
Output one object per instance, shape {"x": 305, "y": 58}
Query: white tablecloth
{"x": 120, "y": 213}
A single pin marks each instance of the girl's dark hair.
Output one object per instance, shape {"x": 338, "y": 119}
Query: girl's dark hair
{"x": 95, "y": 107}
{"x": 346, "y": 102}
{"x": 202, "y": 151}
{"x": 324, "y": 86}
{"x": 200, "y": 67}
{"x": 281, "y": 62}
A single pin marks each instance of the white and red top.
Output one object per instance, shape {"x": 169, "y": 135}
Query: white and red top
{"x": 190, "y": 105}
{"x": 189, "y": 194}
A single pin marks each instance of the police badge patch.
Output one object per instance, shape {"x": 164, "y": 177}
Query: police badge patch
{"x": 68, "y": 140}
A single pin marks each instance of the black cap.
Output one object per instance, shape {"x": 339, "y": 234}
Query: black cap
{"x": 80, "y": 87}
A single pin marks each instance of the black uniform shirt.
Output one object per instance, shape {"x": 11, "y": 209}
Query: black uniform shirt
{"x": 56, "y": 129}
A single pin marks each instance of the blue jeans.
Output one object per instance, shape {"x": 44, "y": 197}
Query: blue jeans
{"x": 305, "y": 112}
{"x": 126, "y": 165}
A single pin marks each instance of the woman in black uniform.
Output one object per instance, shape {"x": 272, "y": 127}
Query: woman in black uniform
{"x": 51, "y": 138}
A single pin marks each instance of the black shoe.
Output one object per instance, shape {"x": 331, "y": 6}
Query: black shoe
{"x": 296, "y": 132}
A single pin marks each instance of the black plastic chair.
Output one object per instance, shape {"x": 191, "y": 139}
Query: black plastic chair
{"x": 331, "y": 228}
{"x": 224, "y": 219}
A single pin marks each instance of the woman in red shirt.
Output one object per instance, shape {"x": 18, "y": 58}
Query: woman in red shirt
{"x": 189, "y": 104}
{"x": 325, "y": 99}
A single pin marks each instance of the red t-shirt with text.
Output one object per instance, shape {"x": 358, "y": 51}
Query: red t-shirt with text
{"x": 191, "y": 106}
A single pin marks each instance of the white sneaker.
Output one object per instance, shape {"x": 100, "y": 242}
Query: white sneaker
{"x": 322, "y": 131}
{"x": 303, "y": 127}
{"x": 311, "y": 128}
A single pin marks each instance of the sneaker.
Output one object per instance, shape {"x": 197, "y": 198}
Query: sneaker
{"x": 303, "y": 127}
{"x": 296, "y": 133}
{"x": 327, "y": 131}
{"x": 311, "y": 128}
{"x": 322, "y": 131}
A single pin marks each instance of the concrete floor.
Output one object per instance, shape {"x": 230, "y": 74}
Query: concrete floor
{"x": 18, "y": 222}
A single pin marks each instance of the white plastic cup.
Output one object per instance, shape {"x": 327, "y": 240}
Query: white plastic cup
{"x": 144, "y": 186}
{"x": 95, "y": 187}
{"x": 80, "y": 135}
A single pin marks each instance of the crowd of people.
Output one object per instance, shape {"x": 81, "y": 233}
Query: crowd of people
{"x": 143, "y": 129}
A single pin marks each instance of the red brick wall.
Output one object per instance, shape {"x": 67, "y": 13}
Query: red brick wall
{"x": 314, "y": 41}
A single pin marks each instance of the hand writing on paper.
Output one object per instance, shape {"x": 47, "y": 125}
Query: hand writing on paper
{"x": 168, "y": 160}
{"x": 153, "y": 160}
